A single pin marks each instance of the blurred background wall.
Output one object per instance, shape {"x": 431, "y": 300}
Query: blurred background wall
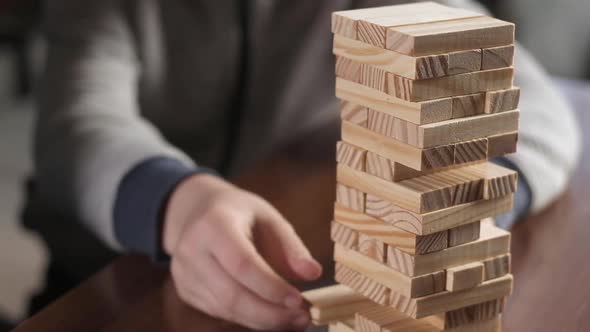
{"x": 557, "y": 32}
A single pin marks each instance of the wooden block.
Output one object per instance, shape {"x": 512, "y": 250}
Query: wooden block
{"x": 350, "y": 197}
{"x": 465, "y": 62}
{"x": 373, "y": 77}
{"x": 393, "y": 62}
{"x": 389, "y": 170}
{"x": 367, "y": 287}
{"x": 353, "y": 113}
{"x": 351, "y": 156}
{"x": 499, "y": 181}
{"x": 436, "y": 221}
{"x": 378, "y": 319}
{"x": 342, "y": 326}
{"x": 496, "y": 267}
{"x": 470, "y": 151}
{"x": 449, "y": 86}
{"x": 499, "y": 145}
{"x": 449, "y": 36}
{"x": 502, "y": 100}
{"x": 468, "y": 105}
{"x": 410, "y": 287}
{"x": 446, "y": 301}
{"x": 387, "y": 125}
{"x": 334, "y": 303}
{"x": 497, "y": 57}
{"x": 410, "y": 156}
{"x": 372, "y": 248}
{"x": 348, "y": 69}
{"x": 490, "y": 325}
{"x": 374, "y": 30}
{"x": 492, "y": 242}
{"x": 390, "y": 234}
{"x": 464, "y": 234}
{"x": 344, "y": 23}
{"x": 464, "y": 276}
{"x": 464, "y": 317}
{"x": 423, "y": 194}
{"x": 419, "y": 113}
{"x": 343, "y": 235}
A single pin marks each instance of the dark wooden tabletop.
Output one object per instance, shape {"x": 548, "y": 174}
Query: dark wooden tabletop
{"x": 550, "y": 259}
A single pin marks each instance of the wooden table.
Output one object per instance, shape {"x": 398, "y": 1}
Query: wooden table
{"x": 550, "y": 260}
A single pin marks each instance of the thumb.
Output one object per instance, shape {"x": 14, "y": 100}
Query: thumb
{"x": 282, "y": 248}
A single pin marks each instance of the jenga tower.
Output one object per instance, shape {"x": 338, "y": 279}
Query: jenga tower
{"x": 426, "y": 100}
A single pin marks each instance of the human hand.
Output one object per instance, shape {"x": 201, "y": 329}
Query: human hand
{"x": 230, "y": 250}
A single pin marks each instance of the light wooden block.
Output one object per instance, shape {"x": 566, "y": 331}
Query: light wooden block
{"x": 464, "y": 233}
{"x": 499, "y": 145}
{"x": 450, "y": 36}
{"x": 464, "y": 276}
{"x": 374, "y": 30}
{"x": 361, "y": 284}
{"x": 471, "y": 151}
{"x": 390, "y": 234}
{"x": 464, "y": 317}
{"x": 373, "y": 77}
{"x": 390, "y": 126}
{"x": 353, "y": 113}
{"x": 492, "y": 242}
{"x": 393, "y": 62}
{"x": 390, "y": 170}
{"x": 351, "y": 156}
{"x": 448, "y": 86}
{"x": 333, "y": 303}
{"x": 436, "y": 221}
{"x": 468, "y": 105}
{"x": 419, "y": 113}
{"x": 499, "y": 180}
{"x": 497, "y": 57}
{"x": 350, "y": 197}
{"x": 342, "y": 326}
{"x": 380, "y": 319}
{"x": 502, "y": 100}
{"x": 496, "y": 267}
{"x": 348, "y": 69}
{"x": 490, "y": 325}
{"x": 345, "y": 236}
{"x": 372, "y": 248}
{"x": 410, "y": 287}
{"x": 465, "y": 62}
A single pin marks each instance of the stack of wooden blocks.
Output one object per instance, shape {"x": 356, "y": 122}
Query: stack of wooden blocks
{"x": 427, "y": 98}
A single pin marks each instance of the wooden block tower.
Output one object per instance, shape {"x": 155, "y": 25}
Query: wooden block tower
{"x": 427, "y": 99}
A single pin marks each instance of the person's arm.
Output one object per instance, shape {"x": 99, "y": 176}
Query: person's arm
{"x": 99, "y": 160}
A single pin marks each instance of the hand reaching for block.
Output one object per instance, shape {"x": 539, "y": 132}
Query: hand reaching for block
{"x": 231, "y": 251}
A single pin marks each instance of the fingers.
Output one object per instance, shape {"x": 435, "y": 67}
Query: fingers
{"x": 278, "y": 243}
{"x": 234, "y": 302}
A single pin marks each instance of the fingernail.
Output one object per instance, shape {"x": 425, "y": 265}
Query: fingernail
{"x": 301, "y": 321}
{"x": 293, "y": 301}
{"x": 312, "y": 269}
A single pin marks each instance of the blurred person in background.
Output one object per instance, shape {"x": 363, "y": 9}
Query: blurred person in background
{"x": 146, "y": 106}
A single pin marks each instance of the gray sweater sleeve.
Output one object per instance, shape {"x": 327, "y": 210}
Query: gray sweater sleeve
{"x": 89, "y": 133}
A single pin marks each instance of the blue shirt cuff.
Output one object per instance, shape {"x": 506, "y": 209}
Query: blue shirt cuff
{"x": 141, "y": 200}
{"x": 522, "y": 197}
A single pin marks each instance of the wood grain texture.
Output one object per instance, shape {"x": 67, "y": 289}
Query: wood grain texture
{"x": 333, "y": 303}
{"x": 388, "y": 233}
{"x": 497, "y": 267}
{"x": 372, "y": 248}
{"x": 367, "y": 287}
{"x": 341, "y": 326}
{"x": 390, "y": 170}
{"x": 393, "y": 62}
{"x": 436, "y": 221}
{"x": 464, "y": 276}
{"x": 449, "y": 86}
{"x": 343, "y": 235}
{"x": 499, "y": 180}
{"x": 410, "y": 287}
{"x": 380, "y": 319}
{"x": 374, "y": 30}
{"x": 449, "y": 36}
{"x": 464, "y": 233}
{"x": 492, "y": 242}
{"x": 475, "y": 313}
{"x": 470, "y": 151}
{"x": 344, "y": 23}
{"x": 419, "y": 113}
{"x": 348, "y": 69}
{"x": 499, "y": 145}
{"x": 502, "y": 100}
{"x": 351, "y": 156}
{"x": 373, "y": 77}
{"x": 353, "y": 113}
{"x": 350, "y": 197}
{"x": 465, "y": 62}
{"x": 390, "y": 126}
{"x": 497, "y": 57}
{"x": 468, "y": 105}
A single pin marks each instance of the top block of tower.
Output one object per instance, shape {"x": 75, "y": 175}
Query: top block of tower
{"x": 425, "y": 28}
